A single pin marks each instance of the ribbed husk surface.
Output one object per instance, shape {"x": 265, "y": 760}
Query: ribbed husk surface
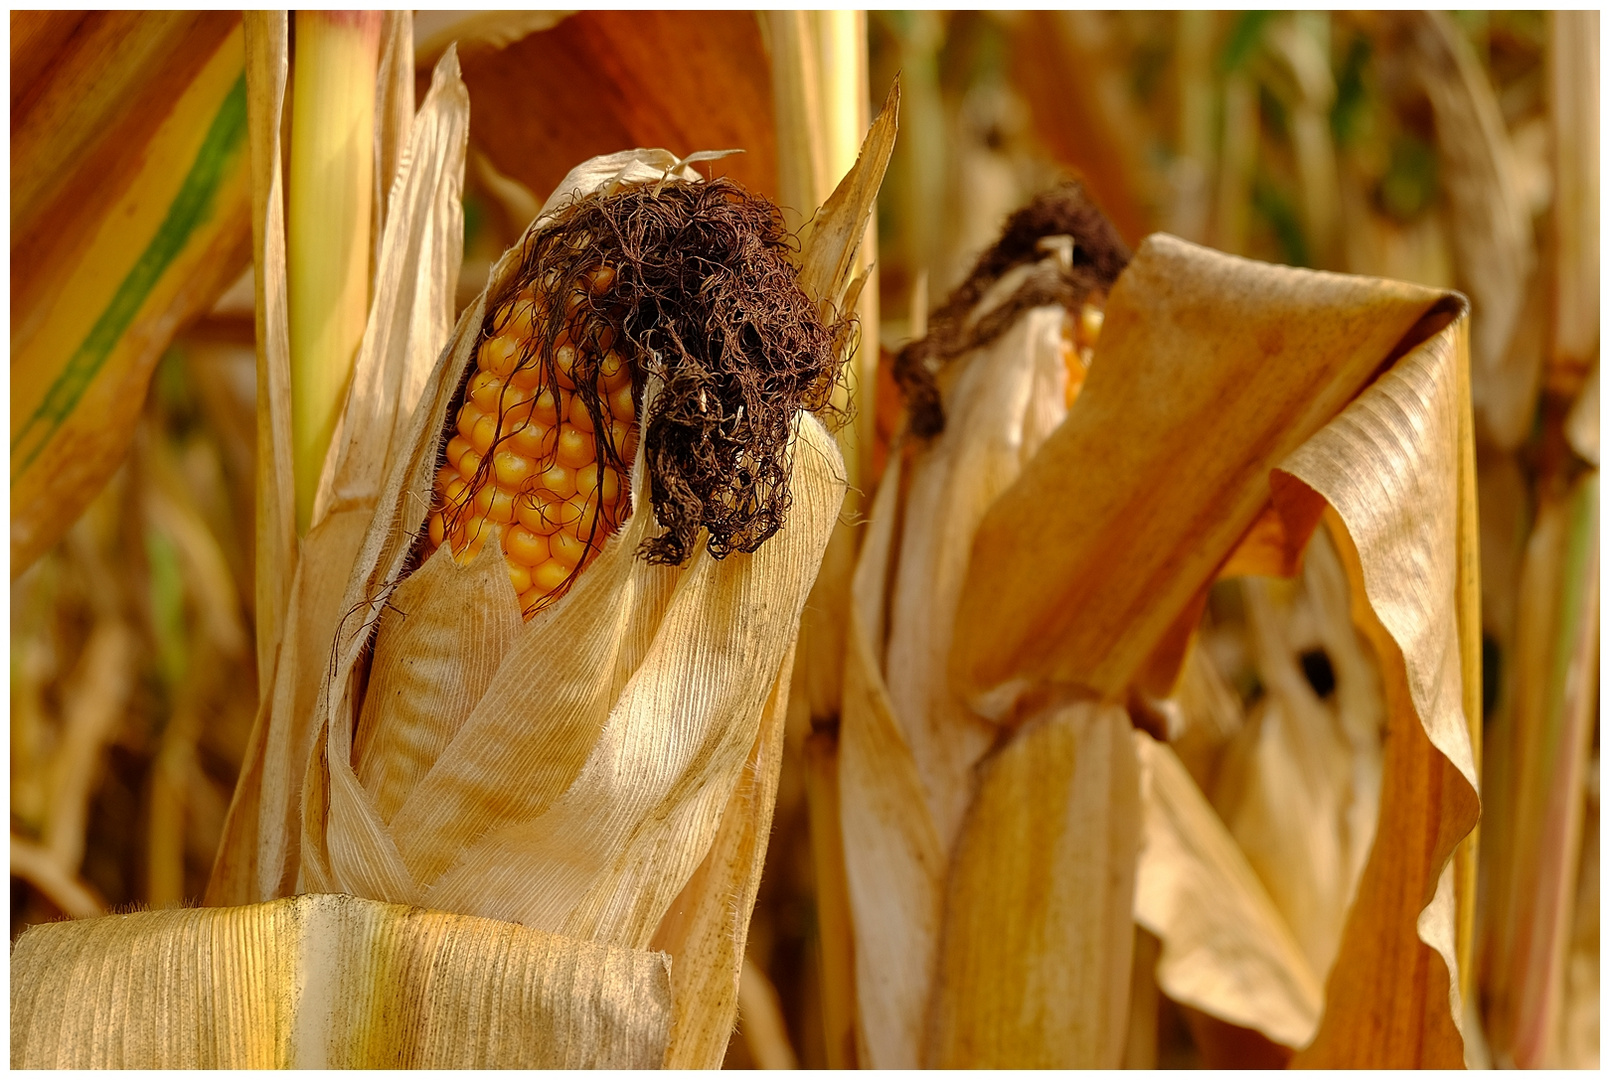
{"x": 1002, "y": 626}
{"x": 329, "y": 982}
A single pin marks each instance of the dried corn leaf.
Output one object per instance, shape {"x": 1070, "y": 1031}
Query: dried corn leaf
{"x": 1261, "y": 357}
{"x": 329, "y": 982}
{"x": 1405, "y": 443}
{"x": 1034, "y": 959}
{"x": 409, "y": 322}
{"x": 1234, "y": 957}
{"x": 130, "y": 196}
{"x": 605, "y": 81}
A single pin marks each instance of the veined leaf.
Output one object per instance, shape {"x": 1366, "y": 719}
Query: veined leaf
{"x": 103, "y": 300}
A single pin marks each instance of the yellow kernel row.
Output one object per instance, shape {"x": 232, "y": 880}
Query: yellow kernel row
{"x": 547, "y": 487}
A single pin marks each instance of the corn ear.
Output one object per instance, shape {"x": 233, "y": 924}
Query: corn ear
{"x": 128, "y": 219}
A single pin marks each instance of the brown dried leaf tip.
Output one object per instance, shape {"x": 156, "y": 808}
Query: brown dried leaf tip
{"x": 1079, "y": 283}
{"x": 689, "y": 284}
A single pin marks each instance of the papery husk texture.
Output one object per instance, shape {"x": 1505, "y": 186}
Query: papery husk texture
{"x": 329, "y": 982}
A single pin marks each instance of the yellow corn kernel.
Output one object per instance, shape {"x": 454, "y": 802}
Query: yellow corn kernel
{"x": 553, "y": 499}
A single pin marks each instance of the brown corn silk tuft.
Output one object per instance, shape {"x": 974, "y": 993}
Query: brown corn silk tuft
{"x": 1094, "y": 260}
{"x": 687, "y": 283}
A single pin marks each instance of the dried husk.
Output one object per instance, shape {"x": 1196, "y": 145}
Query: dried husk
{"x": 329, "y": 982}
{"x": 410, "y": 319}
{"x": 1087, "y": 575}
{"x": 907, "y": 745}
{"x": 1300, "y": 785}
{"x": 130, "y": 195}
{"x": 1234, "y": 958}
{"x": 1034, "y": 958}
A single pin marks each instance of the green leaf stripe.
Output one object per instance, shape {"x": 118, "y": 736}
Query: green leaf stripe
{"x": 193, "y": 205}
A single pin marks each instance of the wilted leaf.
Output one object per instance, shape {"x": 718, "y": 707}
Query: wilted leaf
{"x": 1057, "y": 587}
{"x": 1406, "y": 442}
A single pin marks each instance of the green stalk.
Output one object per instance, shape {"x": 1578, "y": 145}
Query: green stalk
{"x": 331, "y": 191}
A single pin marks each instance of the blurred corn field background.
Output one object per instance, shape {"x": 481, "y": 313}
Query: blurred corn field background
{"x": 1455, "y": 151}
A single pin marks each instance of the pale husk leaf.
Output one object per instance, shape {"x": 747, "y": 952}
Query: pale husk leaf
{"x": 1034, "y": 960}
{"x": 706, "y": 926}
{"x": 330, "y": 982}
{"x": 893, "y": 861}
{"x": 1234, "y": 957}
{"x": 902, "y": 724}
{"x": 423, "y": 680}
{"x": 406, "y": 330}
{"x": 1004, "y": 403}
